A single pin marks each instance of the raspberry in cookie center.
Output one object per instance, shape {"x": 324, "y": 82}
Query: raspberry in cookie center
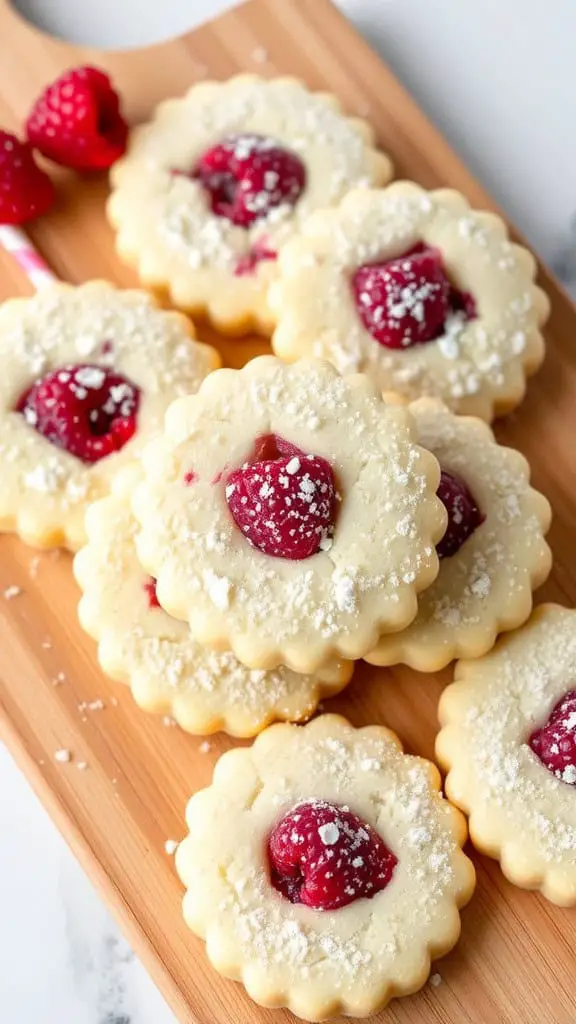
{"x": 554, "y": 743}
{"x": 464, "y": 516}
{"x": 409, "y": 300}
{"x": 248, "y": 176}
{"x": 87, "y": 410}
{"x": 283, "y": 500}
{"x": 325, "y": 856}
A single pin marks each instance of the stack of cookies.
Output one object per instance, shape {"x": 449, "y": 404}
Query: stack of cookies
{"x": 250, "y": 534}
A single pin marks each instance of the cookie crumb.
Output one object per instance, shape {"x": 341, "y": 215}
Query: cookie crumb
{"x": 259, "y": 55}
{"x": 63, "y": 756}
{"x": 91, "y": 705}
{"x": 114, "y": 702}
{"x": 170, "y": 846}
{"x": 60, "y": 678}
{"x": 33, "y": 566}
{"x": 435, "y": 980}
{"x": 11, "y": 592}
{"x": 168, "y": 721}
{"x": 81, "y": 766}
{"x": 204, "y": 747}
{"x": 47, "y": 643}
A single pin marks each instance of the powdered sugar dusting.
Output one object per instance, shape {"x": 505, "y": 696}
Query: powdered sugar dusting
{"x": 364, "y": 574}
{"x": 174, "y": 213}
{"x": 348, "y": 952}
{"x": 492, "y": 570}
{"x": 479, "y": 356}
{"x": 158, "y": 652}
{"x": 510, "y": 695}
{"x": 49, "y": 332}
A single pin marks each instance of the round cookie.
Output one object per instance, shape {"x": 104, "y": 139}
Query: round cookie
{"x": 167, "y": 671}
{"x": 493, "y": 554}
{"x": 419, "y": 291}
{"x": 324, "y": 868}
{"x": 218, "y": 180}
{"x": 508, "y": 743}
{"x": 88, "y": 374}
{"x": 288, "y": 514}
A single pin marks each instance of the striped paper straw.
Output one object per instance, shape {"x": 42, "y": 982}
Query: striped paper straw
{"x": 17, "y": 243}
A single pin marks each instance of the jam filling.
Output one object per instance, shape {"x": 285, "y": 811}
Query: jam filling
{"x": 150, "y": 588}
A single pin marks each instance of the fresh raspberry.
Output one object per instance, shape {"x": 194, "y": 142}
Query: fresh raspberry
{"x": 326, "y": 857}
{"x": 77, "y": 121}
{"x": 261, "y": 250}
{"x": 247, "y": 176}
{"x": 464, "y": 516}
{"x": 150, "y": 588}
{"x": 86, "y": 409}
{"x": 284, "y": 501}
{"x": 555, "y": 743}
{"x": 406, "y": 301}
{"x": 25, "y": 190}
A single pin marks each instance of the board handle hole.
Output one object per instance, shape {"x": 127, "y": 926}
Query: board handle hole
{"x": 117, "y": 24}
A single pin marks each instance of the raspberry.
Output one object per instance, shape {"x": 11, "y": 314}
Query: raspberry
{"x": 77, "y": 121}
{"x": 25, "y": 190}
{"x": 464, "y": 515}
{"x": 406, "y": 301}
{"x": 284, "y": 501}
{"x": 326, "y": 857}
{"x": 555, "y": 742}
{"x": 247, "y": 176}
{"x": 87, "y": 410}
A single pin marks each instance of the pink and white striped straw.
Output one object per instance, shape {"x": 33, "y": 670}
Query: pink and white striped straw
{"x": 17, "y": 243}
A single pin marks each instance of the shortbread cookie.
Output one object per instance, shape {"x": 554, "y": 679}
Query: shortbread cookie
{"x": 493, "y": 554}
{"x": 218, "y": 180}
{"x": 168, "y": 672}
{"x": 324, "y": 868}
{"x": 419, "y": 291}
{"x": 87, "y": 375}
{"x": 289, "y": 514}
{"x": 509, "y": 745}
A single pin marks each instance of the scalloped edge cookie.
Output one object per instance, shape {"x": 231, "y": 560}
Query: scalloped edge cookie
{"x": 486, "y": 587}
{"x": 167, "y": 671}
{"x": 46, "y": 490}
{"x": 199, "y": 278}
{"x": 278, "y": 611}
{"x": 479, "y": 367}
{"x": 322, "y": 963}
{"x": 519, "y": 812}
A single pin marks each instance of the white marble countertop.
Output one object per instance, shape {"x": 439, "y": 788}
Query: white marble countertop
{"x": 500, "y": 81}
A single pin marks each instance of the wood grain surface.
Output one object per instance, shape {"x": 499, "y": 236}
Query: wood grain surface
{"x": 515, "y": 960}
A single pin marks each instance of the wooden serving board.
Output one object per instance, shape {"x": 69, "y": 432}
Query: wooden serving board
{"x": 515, "y": 959}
